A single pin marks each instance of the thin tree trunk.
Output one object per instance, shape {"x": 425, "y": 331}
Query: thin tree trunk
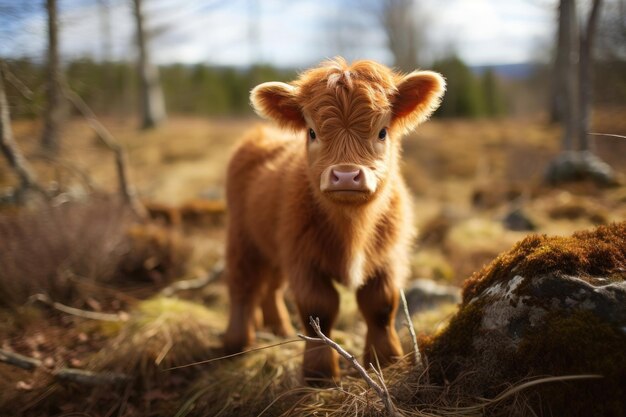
{"x": 152, "y": 102}
{"x": 104, "y": 9}
{"x": 53, "y": 112}
{"x": 566, "y": 73}
{"x": 403, "y": 36}
{"x": 587, "y": 37}
{"x": 105, "y": 30}
{"x": 8, "y": 146}
{"x": 557, "y": 98}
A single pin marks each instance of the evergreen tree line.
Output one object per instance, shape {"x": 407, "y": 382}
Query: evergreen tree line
{"x": 111, "y": 88}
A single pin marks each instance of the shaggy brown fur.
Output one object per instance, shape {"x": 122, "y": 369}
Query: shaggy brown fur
{"x": 286, "y": 222}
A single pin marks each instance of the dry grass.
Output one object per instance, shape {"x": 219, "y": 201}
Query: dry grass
{"x": 160, "y": 334}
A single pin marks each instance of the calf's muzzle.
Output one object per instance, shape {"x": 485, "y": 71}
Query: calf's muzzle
{"x": 347, "y": 178}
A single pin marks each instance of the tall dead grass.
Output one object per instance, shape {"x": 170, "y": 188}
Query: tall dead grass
{"x": 49, "y": 249}
{"x": 61, "y": 251}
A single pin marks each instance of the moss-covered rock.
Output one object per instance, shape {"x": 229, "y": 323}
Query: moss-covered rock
{"x": 551, "y": 306}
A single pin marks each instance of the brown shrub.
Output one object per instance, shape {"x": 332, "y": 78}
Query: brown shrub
{"x": 154, "y": 253}
{"x": 578, "y": 209}
{"x": 50, "y": 249}
{"x": 58, "y": 250}
{"x": 203, "y": 212}
{"x": 193, "y": 213}
{"x": 163, "y": 213}
{"x": 487, "y": 196}
{"x": 435, "y": 231}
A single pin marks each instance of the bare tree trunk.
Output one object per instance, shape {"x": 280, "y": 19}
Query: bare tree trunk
{"x": 152, "y": 102}
{"x": 104, "y": 9}
{"x": 557, "y": 99}
{"x": 587, "y": 36}
{"x": 576, "y": 162}
{"x": 53, "y": 113}
{"x": 403, "y": 37}
{"x": 8, "y": 146}
{"x": 566, "y": 73}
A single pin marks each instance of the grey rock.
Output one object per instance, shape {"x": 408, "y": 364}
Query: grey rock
{"x": 580, "y": 165}
{"x": 511, "y": 311}
{"x": 518, "y": 220}
{"x": 426, "y": 294}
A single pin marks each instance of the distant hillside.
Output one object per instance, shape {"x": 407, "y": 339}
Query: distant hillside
{"x": 511, "y": 71}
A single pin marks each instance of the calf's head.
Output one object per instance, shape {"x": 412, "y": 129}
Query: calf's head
{"x": 352, "y": 118}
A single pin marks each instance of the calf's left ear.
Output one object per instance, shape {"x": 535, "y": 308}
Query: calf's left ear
{"x": 278, "y": 101}
{"x": 419, "y": 94}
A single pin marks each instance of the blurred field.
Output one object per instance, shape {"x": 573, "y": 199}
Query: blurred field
{"x": 466, "y": 176}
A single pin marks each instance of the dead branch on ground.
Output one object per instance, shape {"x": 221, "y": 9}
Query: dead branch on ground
{"x": 79, "y": 376}
{"x": 195, "y": 283}
{"x": 93, "y": 315}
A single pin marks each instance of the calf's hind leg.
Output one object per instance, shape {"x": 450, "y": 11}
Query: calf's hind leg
{"x": 378, "y": 302}
{"x": 275, "y": 314}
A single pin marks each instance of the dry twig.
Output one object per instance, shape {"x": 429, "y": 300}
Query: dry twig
{"x": 79, "y": 376}
{"x": 380, "y": 390}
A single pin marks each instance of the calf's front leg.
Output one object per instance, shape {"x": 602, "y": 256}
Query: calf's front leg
{"x": 315, "y": 296}
{"x": 378, "y": 301}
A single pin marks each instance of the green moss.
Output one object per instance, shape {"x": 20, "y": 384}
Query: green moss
{"x": 600, "y": 252}
{"x": 455, "y": 341}
{"x": 579, "y": 343}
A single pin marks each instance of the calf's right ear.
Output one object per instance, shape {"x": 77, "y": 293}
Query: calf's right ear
{"x": 278, "y": 102}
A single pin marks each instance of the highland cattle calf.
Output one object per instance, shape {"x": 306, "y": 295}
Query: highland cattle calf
{"x": 324, "y": 204}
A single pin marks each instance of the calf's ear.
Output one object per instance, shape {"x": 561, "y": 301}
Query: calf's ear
{"x": 419, "y": 94}
{"x": 278, "y": 102}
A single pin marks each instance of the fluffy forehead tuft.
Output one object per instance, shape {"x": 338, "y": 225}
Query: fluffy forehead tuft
{"x": 342, "y": 96}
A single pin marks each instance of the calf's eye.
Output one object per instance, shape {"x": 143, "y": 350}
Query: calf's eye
{"x": 382, "y": 135}
{"x": 312, "y": 135}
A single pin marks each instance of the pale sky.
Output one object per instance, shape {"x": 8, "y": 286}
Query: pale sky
{"x": 288, "y": 33}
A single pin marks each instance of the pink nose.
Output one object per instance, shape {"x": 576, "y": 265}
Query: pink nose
{"x": 347, "y": 181}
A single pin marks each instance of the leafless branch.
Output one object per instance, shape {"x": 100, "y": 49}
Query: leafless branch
{"x": 68, "y": 166}
{"x": 610, "y": 135}
{"x": 381, "y": 391}
{"x": 93, "y": 315}
{"x": 26, "y": 92}
{"x": 9, "y": 148}
{"x": 63, "y": 374}
{"x": 109, "y": 141}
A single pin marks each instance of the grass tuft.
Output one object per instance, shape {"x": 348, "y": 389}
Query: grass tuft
{"x": 161, "y": 333}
